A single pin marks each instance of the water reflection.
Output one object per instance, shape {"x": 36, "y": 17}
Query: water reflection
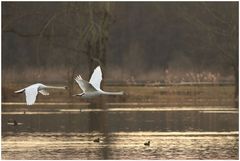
{"x": 120, "y": 146}
{"x": 67, "y": 132}
{"x": 123, "y": 121}
{"x": 98, "y": 122}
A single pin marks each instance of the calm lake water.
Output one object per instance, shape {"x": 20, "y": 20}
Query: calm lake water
{"x": 67, "y": 131}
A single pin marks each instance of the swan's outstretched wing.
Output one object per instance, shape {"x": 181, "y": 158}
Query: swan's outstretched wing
{"x": 96, "y": 78}
{"x": 31, "y": 94}
{"x": 84, "y": 85}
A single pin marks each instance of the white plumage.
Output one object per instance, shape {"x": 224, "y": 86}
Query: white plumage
{"x": 96, "y": 78}
{"x": 31, "y": 92}
{"x": 92, "y": 88}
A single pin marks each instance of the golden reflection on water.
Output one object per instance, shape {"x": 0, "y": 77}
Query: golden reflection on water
{"x": 48, "y": 104}
{"x": 122, "y": 145}
{"x": 124, "y": 109}
{"x": 67, "y": 132}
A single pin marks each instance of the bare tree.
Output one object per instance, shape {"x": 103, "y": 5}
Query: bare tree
{"x": 79, "y": 30}
{"x": 221, "y": 31}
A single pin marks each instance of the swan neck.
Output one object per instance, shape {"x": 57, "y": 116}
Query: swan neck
{"x": 55, "y": 87}
{"x": 112, "y": 93}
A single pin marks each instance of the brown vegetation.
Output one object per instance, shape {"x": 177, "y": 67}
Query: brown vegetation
{"x": 169, "y": 95}
{"x": 161, "y": 42}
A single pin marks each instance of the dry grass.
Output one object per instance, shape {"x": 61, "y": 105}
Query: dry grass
{"x": 211, "y": 95}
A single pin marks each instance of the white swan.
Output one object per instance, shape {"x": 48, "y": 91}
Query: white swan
{"x": 32, "y": 91}
{"x": 92, "y": 88}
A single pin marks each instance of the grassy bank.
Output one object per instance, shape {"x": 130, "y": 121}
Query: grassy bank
{"x": 171, "y": 95}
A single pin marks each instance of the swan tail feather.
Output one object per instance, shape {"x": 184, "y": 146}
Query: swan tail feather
{"x": 20, "y": 91}
{"x": 78, "y": 94}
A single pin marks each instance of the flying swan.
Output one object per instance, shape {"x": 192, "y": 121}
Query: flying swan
{"x": 31, "y": 91}
{"x": 92, "y": 88}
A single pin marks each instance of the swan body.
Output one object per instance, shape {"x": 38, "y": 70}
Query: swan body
{"x": 92, "y": 88}
{"x": 31, "y": 91}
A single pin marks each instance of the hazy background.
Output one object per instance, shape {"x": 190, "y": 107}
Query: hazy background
{"x": 177, "y": 63}
{"x": 55, "y": 41}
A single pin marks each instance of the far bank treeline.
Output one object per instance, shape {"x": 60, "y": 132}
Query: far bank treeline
{"x": 135, "y": 37}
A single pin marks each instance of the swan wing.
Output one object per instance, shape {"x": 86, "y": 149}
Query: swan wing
{"x": 84, "y": 85}
{"x": 96, "y": 78}
{"x": 31, "y": 94}
{"x": 44, "y": 92}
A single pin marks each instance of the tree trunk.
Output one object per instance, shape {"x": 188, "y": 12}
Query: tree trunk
{"x": 236, "y": 96}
